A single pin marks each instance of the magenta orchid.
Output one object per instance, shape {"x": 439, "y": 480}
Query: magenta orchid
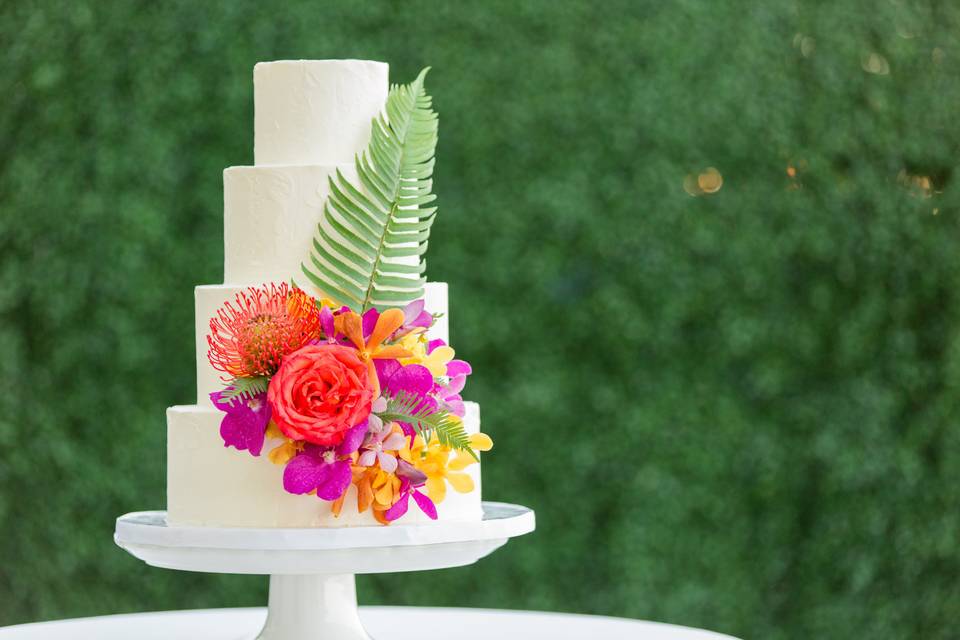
{"x": 327, "y": 325}
{"x": 245, "y": 420}
{"x": 325, "y": 470}
{"x": 408, "y": 490}
{"x": 396, "y": 378}
{"x": 412, "y": 379}
{"x": 457, "y": 368}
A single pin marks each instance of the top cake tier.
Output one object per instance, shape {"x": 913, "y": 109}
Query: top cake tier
{"x": 309, "y": 112}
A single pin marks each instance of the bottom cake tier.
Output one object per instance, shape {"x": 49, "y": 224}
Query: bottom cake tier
{"x": 209, "y": 484}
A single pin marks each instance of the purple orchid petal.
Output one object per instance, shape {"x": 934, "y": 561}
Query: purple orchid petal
{"x": 387, "y": 462}
{"x": 305, "y": 473}
{"x": 367, "y": 458}
{"x": 369, "y": 322}
{"x": 245, "y": 421}
{"x": 455, "y": 385}
{"x": 326, "y": 323}
{"x": 426, "y": 504}
{"x": 412, "y": 311}
{"x": 386, "y": 369}
{"x": 398, "y": 509}
{"x": 413, "y": 378}
{"x": 425, "y": 320}
{"x": 353, "y": 439}
{"x": 408, "y": 430}
{"x": 242, "y": 434}
{"x": 455, "y": 406}
{"x": 433, "y": 344}
{"x": 408, "y": 473}
{"x": 459, "y": 368}
{"x": 217, "y": 398}
{"x": 336, "y": 482}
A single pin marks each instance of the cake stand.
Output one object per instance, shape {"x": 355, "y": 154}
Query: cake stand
{"x": 313, "y": 593}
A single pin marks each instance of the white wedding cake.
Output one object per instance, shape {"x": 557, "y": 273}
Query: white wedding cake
{"x": 312, "y": 119}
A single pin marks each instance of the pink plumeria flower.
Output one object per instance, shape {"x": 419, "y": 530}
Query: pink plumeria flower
{"x": 376, "y": 445}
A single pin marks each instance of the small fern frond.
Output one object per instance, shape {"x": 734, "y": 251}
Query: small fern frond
{"x": 369, "y": 246}
{"x": 452, "y": 434}
{"x": 428, "y": 421}
{"x": 246, "y": 387}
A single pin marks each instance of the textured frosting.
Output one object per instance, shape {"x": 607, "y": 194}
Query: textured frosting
{"x": 211, "y": 485}
{"x": 315, "y": 111}
{"x": 270, "y": 217}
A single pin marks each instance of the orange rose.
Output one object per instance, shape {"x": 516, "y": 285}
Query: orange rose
{"x": 319, "y": 392}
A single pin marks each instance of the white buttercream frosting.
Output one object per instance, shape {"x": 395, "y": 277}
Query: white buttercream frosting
{"x": 315, "y": 111}
{"x": 270, "y": 217}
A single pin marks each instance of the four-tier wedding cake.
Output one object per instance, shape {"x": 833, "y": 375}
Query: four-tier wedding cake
{"x": 327, "y": 392}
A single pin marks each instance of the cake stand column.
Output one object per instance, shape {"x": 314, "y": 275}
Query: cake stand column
{"x": 313, "y": 607}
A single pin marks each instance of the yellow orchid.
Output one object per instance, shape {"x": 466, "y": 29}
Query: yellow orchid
{"x": 375, "y": 488}
{"x": 434, "y": 461}
{"x": 285, "y": 451}
{"x": 436, "y": 361}
{"x": 416, "y": 344}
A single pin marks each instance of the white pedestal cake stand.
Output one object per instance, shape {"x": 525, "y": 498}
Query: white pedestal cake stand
{"x": 313, "y": 593}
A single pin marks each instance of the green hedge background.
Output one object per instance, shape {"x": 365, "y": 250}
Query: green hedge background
{"x": 734, "y": 410}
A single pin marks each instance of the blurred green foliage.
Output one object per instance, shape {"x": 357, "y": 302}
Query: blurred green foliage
{"x": 736, "y": 410}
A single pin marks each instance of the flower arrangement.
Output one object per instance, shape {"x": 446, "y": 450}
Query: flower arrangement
{"x": 349, "y": 398}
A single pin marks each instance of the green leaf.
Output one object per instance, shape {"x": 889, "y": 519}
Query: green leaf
{"x": 246, "y": 387}
{"x": 409, "y": 408}
{"x": 368, "y": 225}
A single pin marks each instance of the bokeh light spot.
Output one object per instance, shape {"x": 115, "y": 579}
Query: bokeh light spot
{"x": 710, "y": 180}
{"x": 875, "y": 63}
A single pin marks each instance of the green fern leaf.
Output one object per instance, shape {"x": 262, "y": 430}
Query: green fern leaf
{"x": 409, "y": 408}
{"x": 246, "y": 387}
{"x": 371, "y": 232}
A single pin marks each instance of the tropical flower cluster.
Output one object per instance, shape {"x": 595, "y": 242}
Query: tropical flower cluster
{"x": 345, "y": 399}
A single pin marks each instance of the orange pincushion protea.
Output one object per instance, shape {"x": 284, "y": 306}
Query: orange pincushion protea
{"x": 250, "y": 336}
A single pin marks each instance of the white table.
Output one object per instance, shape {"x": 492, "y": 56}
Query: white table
{"x": 386, "y": 623}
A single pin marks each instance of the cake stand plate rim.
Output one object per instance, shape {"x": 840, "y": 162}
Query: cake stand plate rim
{"x": 500, "y": 521}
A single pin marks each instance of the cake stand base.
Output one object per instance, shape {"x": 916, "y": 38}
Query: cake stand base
{"x": 313, "y": 593}
{"x": 313, "y": 608}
